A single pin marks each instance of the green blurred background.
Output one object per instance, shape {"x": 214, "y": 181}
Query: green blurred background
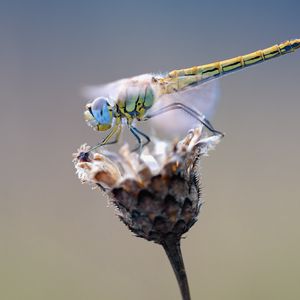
{"x": 59, "y": 240}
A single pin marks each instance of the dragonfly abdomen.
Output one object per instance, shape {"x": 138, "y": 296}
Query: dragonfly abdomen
{"x": 198, "y": 74}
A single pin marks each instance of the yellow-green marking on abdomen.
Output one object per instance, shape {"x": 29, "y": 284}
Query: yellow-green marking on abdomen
{"x": 180, "y": 79}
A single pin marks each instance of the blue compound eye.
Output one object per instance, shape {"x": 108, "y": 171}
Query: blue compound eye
{"x": 101, "y": 112}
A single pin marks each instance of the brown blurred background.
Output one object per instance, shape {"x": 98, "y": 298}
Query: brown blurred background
{"x": 59, "y": 240}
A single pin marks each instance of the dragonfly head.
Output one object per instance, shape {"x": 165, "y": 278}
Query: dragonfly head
{"x": 99, "y": 114}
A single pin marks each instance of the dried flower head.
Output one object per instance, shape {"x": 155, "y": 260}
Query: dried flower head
{"x": 156, "y": 193}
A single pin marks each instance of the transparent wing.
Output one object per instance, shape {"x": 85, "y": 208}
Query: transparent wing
{"x": 175, "y": 123}
{"x": 110, "y": 90}
{"x": 114, "y": 89}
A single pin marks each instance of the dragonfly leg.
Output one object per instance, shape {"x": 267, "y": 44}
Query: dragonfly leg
{"x": 146, "y": 137}
{"x": 195, "y": 114}
{"x": 137, "y": 133}
{"x": 116, "y": 130}
{"x": 139, "y": 147}
{"x": 117, "y": 136}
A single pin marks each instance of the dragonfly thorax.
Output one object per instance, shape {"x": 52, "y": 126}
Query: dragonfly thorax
{"x": 135, "y": 101}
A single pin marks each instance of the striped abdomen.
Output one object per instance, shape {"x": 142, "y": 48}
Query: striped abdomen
{"x": 180, "y": 79}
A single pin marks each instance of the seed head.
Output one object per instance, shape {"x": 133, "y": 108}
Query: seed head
{"x": 156, "y": 194}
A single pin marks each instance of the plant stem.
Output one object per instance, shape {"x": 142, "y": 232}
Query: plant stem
{"x": 173, "y": 251}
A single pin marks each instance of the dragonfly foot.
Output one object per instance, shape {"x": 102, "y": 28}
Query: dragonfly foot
{"x": 84, "y": 156}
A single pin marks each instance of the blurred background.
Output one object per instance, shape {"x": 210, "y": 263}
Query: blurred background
{"x": 59, "y": 239}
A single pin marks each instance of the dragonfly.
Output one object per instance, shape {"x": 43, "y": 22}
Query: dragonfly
{"x": 134, "y": 99}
